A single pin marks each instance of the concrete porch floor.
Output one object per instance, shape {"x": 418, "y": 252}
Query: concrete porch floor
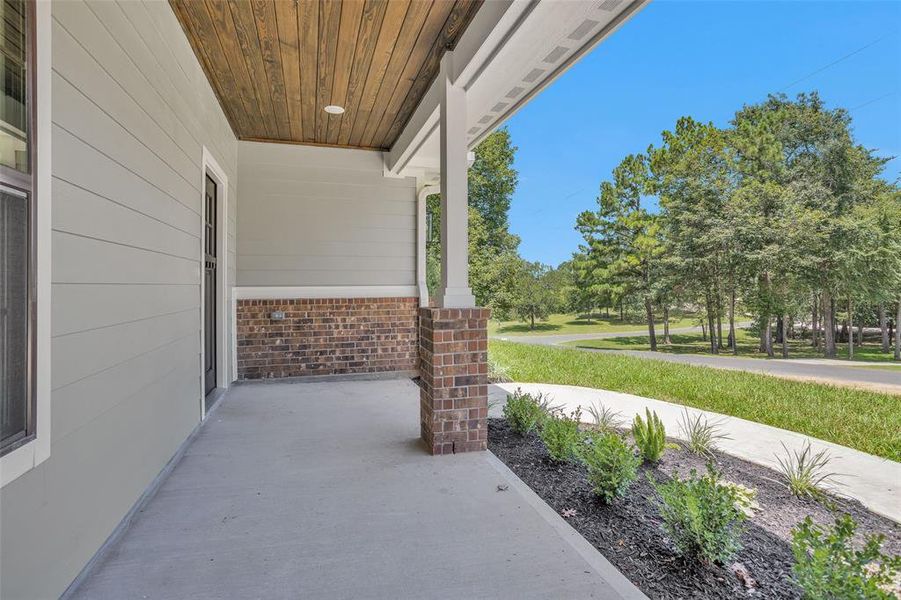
{"x": 323, "y": 490}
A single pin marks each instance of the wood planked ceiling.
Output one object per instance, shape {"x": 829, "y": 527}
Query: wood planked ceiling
{"x": 275, "y": 64}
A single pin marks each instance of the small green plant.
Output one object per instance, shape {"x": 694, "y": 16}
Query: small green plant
{"x": 562, "y": 437}
{"x": 650, "y": 436}
{"x": 829, "y": 567}
{"x": 700, "y": 435}
{"x": 547, "y": 404}
{"x": 497, "y": 373}
{"x": 805, "y": 471}
{"x": 612, "y": 465}
{"x": 523, "y": 412}
{"x": 745, "y": 497}
{"x": 603, "y": 418}
{"x": 700, "y": 516}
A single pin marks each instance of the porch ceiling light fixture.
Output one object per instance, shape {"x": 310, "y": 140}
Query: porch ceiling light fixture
{"x": 334, "y": 110}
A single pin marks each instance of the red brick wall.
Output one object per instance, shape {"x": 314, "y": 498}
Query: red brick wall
{"x": 326, "y": 336}
{"x": 453, "y": 350}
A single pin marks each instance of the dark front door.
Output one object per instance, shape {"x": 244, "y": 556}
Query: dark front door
{"x": 209, "y": 286}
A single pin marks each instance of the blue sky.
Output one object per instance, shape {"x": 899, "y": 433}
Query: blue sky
{"x": 703, "y": 59}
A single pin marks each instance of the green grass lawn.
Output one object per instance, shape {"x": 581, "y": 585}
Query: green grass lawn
{"x": 867, "y": 421}
{"x": 564, "y": 323}
{"x": 747, "y": 344}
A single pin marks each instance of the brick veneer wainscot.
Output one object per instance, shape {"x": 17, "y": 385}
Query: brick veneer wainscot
{"x": 453, "y": 397}
{"x": 326, "y": 336}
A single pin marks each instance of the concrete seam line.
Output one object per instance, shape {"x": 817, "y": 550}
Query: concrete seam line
{"x": 597, "y": 561}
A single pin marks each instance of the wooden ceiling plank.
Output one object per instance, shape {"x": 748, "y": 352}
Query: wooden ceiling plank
{"x": 373, "y": 14}
{"x": 286, "y": 16}
{"x": 214, "y": 71}
{"x": 389, "y": 31}
{"x": 275, "y": 64}
{"x": 226, "y": 36}
{"x": 329, "y": 23}
{"x": 459, "y": 19}
{"x": 270, "y": 49}
{"x": 308, "y": 33}
{"x": 425, "y": 45}
{"x": 351, "y": 13}
{"x": 246, "y": 31}
{"x": 406, "y": 41}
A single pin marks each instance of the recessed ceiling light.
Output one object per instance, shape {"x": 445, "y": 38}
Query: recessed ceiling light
{"x": 334, "y": 110}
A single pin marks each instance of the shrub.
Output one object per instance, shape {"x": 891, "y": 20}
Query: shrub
{"x": 523, "y": 412}
{"x": 700, "y": 516}
{"x": 805, "y": 472}
{"x": 603, "y": 418}
{"x": 562, "y": 437}
{"x": 828, "y": 567}
{"x": 700, "y": 435}
{"x": 650, "y": 436}
{"x": 612, "y": 465}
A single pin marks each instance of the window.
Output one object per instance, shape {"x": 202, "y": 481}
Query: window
{"x": 17, "y": 219}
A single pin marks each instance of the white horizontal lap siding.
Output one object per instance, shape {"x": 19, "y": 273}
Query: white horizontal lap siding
{"x": 311, "y": 217}
{"x": 131, "y": 112}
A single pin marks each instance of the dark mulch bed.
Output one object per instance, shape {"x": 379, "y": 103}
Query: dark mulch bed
{"x": 629, "y": 533}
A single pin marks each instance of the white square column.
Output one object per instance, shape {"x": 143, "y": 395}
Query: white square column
{"x": 454, "y": 291}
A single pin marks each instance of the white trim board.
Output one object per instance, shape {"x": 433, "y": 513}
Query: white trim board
{"x": 350, "y": 291}
{"x": 29, "y": 455}
{"x": 421, "y": 259}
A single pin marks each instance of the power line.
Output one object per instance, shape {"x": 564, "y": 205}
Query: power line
{"x": 833, "y": 63}
{"x": 868, "y": 102}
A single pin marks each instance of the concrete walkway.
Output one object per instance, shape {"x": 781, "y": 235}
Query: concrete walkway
{"x": 874, "y": 481}
{"x": 323, "y": 490}
{"x": 836, "y": 372}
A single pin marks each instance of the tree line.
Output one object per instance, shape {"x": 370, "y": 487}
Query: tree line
{"x": 781, "y": 213}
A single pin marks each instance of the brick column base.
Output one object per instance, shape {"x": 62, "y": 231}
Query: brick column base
{"x": 453, "y": 356}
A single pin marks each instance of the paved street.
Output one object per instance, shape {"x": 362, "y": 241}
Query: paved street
{"x": 561, "y": 338}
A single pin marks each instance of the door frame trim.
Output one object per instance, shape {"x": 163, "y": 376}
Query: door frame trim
{"x": 209, "y": 166}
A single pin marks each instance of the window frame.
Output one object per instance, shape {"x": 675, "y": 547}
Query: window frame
{"x": 27, "y": 184}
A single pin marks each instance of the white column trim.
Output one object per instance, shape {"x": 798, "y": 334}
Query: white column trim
{"x": 454, "y": 291}
{"x": 421, "y": 254}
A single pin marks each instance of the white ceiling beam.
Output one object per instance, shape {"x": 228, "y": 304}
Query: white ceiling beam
{"x": 627, "y": 12}
{"x": 510, "y": 52}
{"x": 422, "y": 124}
{"x": 476, "y": 44}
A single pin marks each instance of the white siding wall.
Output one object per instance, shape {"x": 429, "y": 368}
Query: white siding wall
{"x": 311, "y": 216}
{"x": 131, "y": 111}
